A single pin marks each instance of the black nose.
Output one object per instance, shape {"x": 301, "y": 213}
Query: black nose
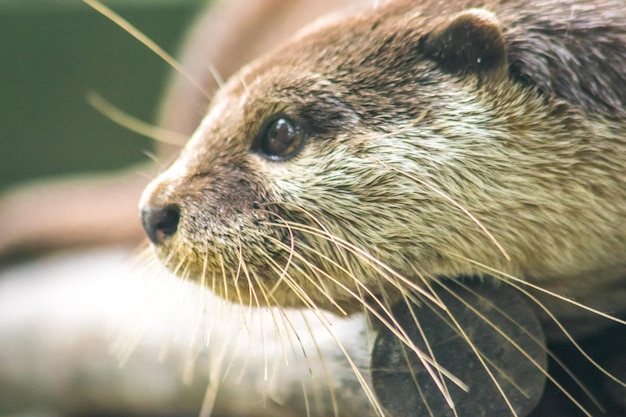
{"x": 160, "y": 223}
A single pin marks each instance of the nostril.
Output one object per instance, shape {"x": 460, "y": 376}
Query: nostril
{"x": 160, "y": 223}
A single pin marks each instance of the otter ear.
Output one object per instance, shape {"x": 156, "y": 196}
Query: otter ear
{"x": 468, "y": 42}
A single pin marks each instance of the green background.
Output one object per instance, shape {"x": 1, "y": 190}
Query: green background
{"x": 52, "y": 54}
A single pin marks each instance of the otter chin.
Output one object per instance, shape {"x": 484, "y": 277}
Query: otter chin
{"x": 375, "y": 153}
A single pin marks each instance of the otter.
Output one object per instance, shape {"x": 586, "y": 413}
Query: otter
{"x": 377, "y": 153}
{"x": 413, "y": 141}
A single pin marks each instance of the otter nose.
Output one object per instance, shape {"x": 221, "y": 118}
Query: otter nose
{"x": 160, "y": 223}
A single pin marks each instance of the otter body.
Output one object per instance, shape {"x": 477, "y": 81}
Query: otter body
{"x": 416, "y": 140}
{"x": 377, "y": 154}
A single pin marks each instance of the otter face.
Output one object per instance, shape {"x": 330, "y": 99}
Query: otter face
{"x": 364, "y": 157}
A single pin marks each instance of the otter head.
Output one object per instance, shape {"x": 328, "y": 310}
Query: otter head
{"x": 360, "y": 158}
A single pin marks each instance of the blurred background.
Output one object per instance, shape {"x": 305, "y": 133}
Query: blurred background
{"x": 55, "y": 357}
{"x": 52, "y": 54}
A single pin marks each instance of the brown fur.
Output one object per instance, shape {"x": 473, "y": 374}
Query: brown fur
{"x": 417, "y": 113}
{"x": 535, "y": 152}
{"x": 34, "y": 217}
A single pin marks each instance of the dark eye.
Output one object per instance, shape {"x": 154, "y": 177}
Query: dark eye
{"x": 281, "y": 139}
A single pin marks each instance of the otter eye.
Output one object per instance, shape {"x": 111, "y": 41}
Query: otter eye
{"x": 281, "y": 139}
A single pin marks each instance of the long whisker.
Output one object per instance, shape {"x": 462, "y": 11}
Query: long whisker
{"x": 331, "y": 388}
{"x": 134, "y": 124}
{"x": 216, "y": 75}
{"x": 438, "y": 379}
{"x": 570, "y": 337}
{"x": 253, "y": 295}
{"x": 454, "y": 202}
{"x": 543, "y": 290}
{"x": 200, "y": 322}
{"x": 251, "y": 291}
{"x": 245, "y": 317}
{"x": 539, "y": 343}
{"x": 292, "y": 242}
{"x": 380, "y": 267}
{"x": 178, "y": 299}
{"x": 149, "y": 43}
{"x": 505, "y": 336}
{"x": 480, "y": 358}
{"x": 434, "y": 372}
{"x": 291, "y": 251}
{"x": 124, "y": 343}
{"x": 207, "y": 330}
{"x": 245, "y": 86}
{"x": 360, "y": 378}
{"x": 291, "y": 283}
{"x": 266, "y": 298}
{"x": 210, "y": 395}
{"x": 514, "y": 281}
{"x": 390, "y": 323}
{"x": 224, "y": 276}
{"x": 288, "y": 324}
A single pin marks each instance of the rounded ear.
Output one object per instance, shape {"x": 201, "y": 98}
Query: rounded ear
{"x": 468, "y": 42}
